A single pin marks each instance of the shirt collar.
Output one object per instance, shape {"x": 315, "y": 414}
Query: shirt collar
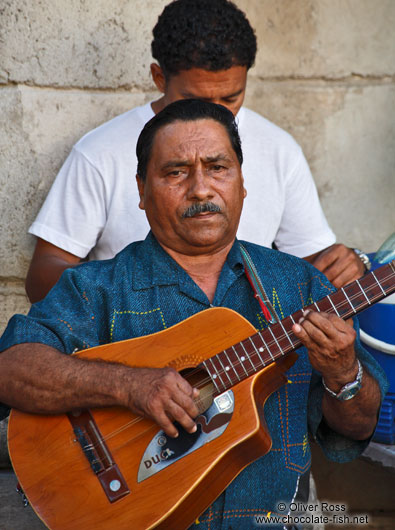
{"x": 154, "y": 266}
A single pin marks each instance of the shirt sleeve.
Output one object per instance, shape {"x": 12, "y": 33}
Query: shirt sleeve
{"x": 64, "y": 319}
{"x": 303, "y": 229}
{"x": 74, "y": 212}
{"x": 337, "y": 447}
{"x": 48, "y": 322}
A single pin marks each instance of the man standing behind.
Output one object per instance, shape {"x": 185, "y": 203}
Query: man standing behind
{"x": 204, "y": 49}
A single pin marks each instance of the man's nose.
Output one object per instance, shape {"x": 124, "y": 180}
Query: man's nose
{"x": 199, "y": 185}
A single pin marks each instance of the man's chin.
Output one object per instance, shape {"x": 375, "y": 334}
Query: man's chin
{"x": 200, "y": 242}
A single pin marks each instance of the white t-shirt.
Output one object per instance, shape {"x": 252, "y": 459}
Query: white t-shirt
{"x": 92, "y": 207}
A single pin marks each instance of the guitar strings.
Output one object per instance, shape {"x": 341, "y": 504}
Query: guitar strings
{"x": 203, "y": 382}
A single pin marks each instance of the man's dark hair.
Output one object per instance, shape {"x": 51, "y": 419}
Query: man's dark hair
{"x": 209, "y": 34}
{"x": 185, "y": 110}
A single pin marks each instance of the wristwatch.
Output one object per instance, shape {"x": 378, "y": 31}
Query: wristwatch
{"x": 350, "y": 389}
{"x": 363, "y": 257}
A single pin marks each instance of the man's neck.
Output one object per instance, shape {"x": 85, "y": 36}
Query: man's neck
{"x": 204, "y": 269}
{"x": 158, "y": 105}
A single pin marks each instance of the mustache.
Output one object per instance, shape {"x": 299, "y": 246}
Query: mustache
{"x": 199, "y": 207}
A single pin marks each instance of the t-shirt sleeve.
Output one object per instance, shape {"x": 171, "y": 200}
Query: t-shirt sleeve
{"x": 337, "y": 447}
{"x": 303, "y": 229}
{"x": 74, "y": 212}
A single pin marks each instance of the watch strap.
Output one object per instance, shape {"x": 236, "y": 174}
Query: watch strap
{"x": 363, "y": 257}
{"x": 346, "y": 387}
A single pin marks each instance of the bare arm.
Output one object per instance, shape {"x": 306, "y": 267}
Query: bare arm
{"x": 47, "y": 264}
{"x": 339, "y": 263}
{"x": 330, "y": 343}
{"x": 39, "y": 379}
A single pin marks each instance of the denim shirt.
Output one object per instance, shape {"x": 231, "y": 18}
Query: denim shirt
{"x": 142, "y": 291}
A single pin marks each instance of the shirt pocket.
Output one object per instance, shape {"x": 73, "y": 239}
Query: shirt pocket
{"x": 129, "y": 323}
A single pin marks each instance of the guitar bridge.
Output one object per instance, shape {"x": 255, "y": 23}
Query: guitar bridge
{"x": 98, "y": 455}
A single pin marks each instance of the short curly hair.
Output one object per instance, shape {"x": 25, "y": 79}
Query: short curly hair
{"x": 209, "y": 34}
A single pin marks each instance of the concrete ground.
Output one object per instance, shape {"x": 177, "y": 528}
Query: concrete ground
{"x": 13, "y": 515}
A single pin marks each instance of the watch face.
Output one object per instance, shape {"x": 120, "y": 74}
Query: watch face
{"x": 349, "y": 391}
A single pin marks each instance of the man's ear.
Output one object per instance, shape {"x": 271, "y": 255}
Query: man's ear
{"x": 244, "y": 188}
{"x": 158, "y": 77}
{"x": 140, "y": 185}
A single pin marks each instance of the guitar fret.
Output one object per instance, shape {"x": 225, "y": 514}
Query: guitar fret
{"x": 212, "y": 376}
{"x": 248, "y": 356}
{"x": 239, "y": 359}
{"x": 379, "y": 284}
{"x": 363, "y": 292}
{"x": 279, "y": 347}
{"x": 332, "y": 304}
{"x": 348, "y": 300}
{"x": 232, "y": 365}
{"x": 257, "y": 352}
{"x": 217, "y": 372}
{"x": 266, "y": 346}
{"x": 216, "y": 375}
{"x": 286, "y": 334}
{"x": 316, "y": 306}
{"x": 224, "y": 369}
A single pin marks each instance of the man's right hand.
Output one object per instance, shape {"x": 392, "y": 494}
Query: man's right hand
{"x": 39, "y": 379}
{"x": 164, "y": 396}
{"x": 48, "y": 263}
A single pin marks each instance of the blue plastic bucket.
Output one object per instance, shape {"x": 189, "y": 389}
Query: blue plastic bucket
{"x": 377, "y": 325}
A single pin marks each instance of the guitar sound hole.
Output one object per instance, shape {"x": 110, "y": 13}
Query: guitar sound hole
{"x": 199, "y": 378}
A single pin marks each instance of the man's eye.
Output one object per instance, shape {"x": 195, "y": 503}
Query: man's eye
{"x": 218, "y": 167}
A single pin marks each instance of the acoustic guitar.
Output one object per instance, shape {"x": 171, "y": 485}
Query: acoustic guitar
{"x": 110, "y": 469}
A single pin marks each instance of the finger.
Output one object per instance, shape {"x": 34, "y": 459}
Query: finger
{"x": 326, "y": 258}
{"x": 344, "y": 275}
{"x": 316, "y": 336}
{"x": 186, "y": 387}
{"x": 179, "y": 414}
{"x": 166, "y": 424}
{"x": 328, "y": 323}
{"x": 301, "y": 333}
{"x": 186, "y": 402}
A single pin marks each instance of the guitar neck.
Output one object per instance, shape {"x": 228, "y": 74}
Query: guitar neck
{"x": 258, "y": 351}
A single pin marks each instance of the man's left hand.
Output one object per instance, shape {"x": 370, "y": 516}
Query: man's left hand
{"x": 330, "y": 343}
{"x": 340, "y": 264}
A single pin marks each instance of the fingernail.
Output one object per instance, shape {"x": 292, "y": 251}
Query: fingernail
{"x": 194, "y": 429}
{"x": 297, "y": 328}
{"x": 306, "y": 312}
{"x": 300, "y": 320}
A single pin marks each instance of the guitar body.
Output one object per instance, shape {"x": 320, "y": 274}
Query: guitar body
{"x": 65, "y": 492}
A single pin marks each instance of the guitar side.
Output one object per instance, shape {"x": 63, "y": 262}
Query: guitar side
{"x": 59, "y": 482}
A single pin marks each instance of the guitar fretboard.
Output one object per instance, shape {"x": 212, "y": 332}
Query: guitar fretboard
{"x": 258, "y": 351}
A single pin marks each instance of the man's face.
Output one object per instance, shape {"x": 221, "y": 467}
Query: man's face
{"x": 193, "y": 164}
{"x": 224, "y": 87}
